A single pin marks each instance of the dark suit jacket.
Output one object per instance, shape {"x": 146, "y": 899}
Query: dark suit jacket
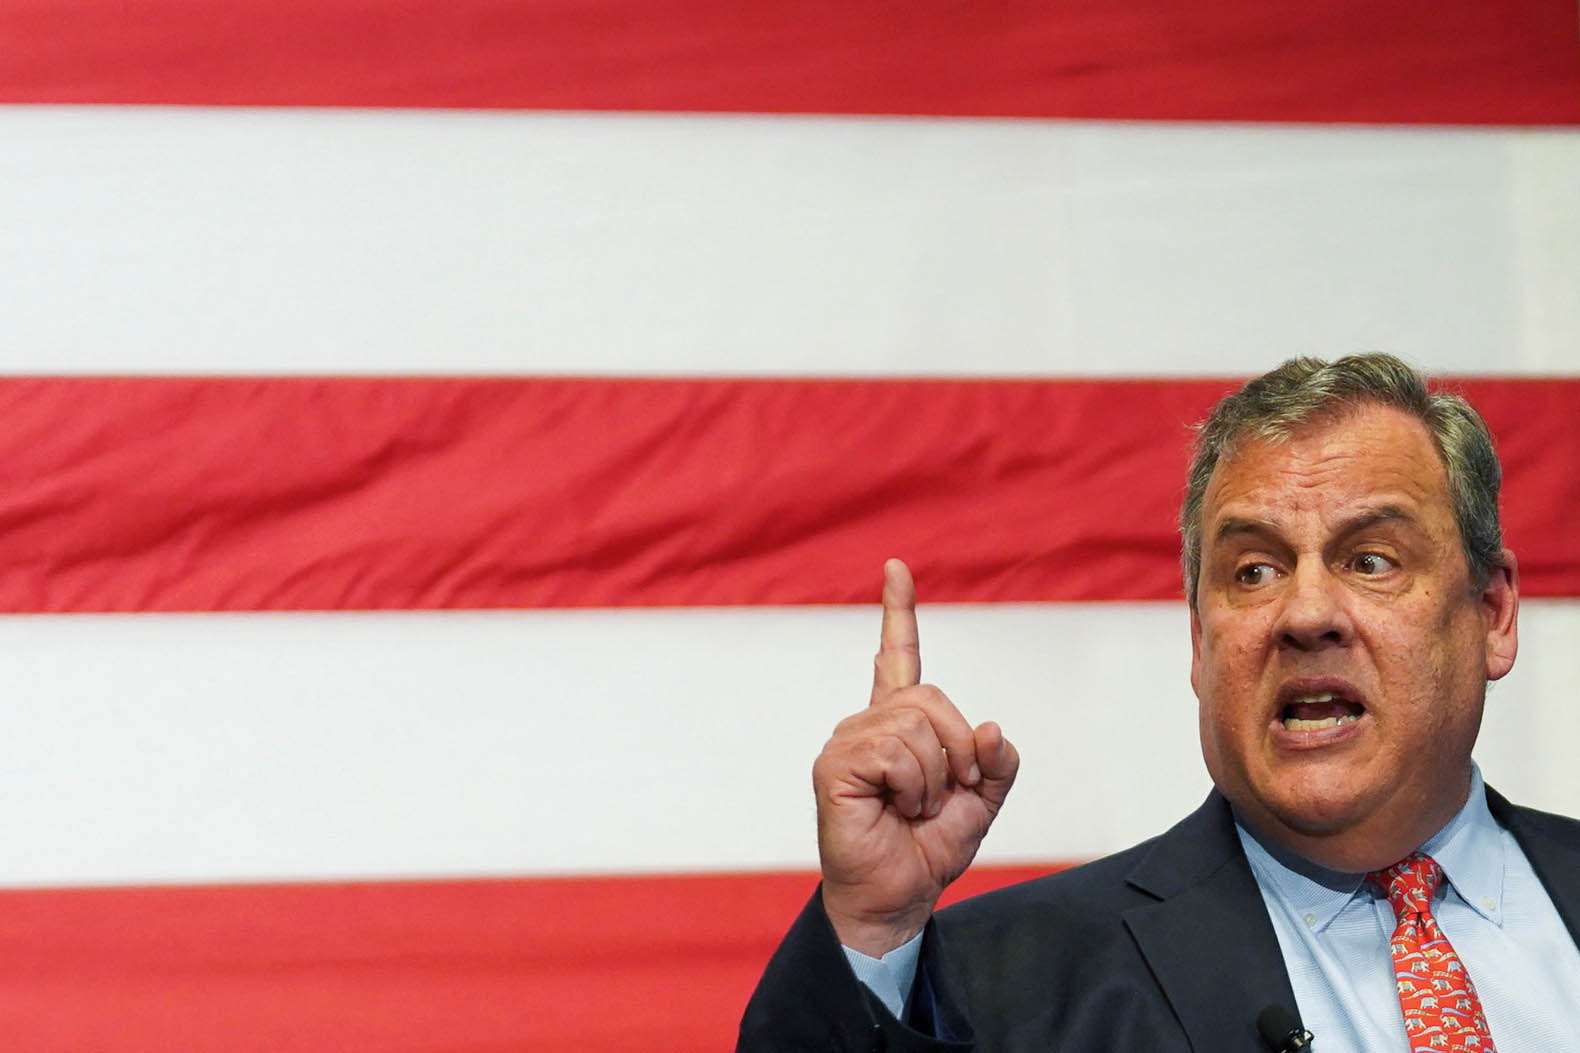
{"x": 1165, "y": 946}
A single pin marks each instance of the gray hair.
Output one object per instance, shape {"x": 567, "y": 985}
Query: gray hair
{"x": 1303, "y": 390}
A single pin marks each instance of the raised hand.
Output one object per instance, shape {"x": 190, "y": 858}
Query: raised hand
{"x": 905, "y": 789}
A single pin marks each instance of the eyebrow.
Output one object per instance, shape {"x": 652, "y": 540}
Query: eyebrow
{"x": 1366, "y": 517}
{"x": 1372, "y": 516}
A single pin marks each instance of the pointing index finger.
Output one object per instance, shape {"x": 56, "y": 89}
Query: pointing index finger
{"x": 899, "y": 661}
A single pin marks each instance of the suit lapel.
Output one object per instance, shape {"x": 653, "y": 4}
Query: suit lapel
{"x": 1208, "y": 939}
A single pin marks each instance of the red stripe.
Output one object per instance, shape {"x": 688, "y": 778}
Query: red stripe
{"x": 1445, "y": 61}
{"x": 609, "y": 964}
{"x": 313, "y": 494}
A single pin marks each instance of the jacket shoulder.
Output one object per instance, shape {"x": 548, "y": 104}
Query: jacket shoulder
{"x": 1099, "y": 886}
{"x": 1548, "y": 824}
{"x": 1154, "y": 869}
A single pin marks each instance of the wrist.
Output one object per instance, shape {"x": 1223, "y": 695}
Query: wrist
{"x": 873, "y": 933}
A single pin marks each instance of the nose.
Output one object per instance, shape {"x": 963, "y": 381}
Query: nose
{"x": 1314, "y": 616}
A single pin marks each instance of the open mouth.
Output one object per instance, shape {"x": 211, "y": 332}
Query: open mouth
{"x": 1323, "y": 709}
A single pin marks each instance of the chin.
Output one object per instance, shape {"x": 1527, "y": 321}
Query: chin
{"x": 1321, "y": 804}
{"x": 1317, "y": 818}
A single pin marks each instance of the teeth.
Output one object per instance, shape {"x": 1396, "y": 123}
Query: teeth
{"x": 1296, "y": 724}
{"x": 1315, "y": 698}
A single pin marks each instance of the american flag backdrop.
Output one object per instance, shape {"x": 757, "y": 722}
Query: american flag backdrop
{"x": 448, "y": 451}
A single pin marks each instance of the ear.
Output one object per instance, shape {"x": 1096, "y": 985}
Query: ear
{"x": 1500, "y": 608}
{"x": 1195, "y": 652}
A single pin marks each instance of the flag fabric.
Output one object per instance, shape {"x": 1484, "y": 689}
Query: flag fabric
{"x": 449, "y": 451}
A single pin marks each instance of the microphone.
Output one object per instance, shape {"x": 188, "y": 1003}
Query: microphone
{"x": 1281, "y": 1030}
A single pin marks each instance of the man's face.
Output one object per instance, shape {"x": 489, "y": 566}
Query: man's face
{"x": 1340, "y": 651}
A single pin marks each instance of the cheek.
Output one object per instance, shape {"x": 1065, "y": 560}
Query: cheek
{"x": 1227, "y": 662}
{"x": 1225, "y": 676}
{"x": 1422, "y": 655}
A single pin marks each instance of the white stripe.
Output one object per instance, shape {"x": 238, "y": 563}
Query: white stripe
{"x": 188, "y": 240}
{"x": 191, "y": 748}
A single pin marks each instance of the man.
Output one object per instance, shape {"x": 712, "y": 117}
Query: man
{"x": 1349, "y": 600}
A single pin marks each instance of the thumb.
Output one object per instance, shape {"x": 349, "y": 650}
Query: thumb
{"x": 998, "y": 761}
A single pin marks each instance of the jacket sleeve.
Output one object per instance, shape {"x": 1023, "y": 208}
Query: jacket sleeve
{"x": 809, "y": 999}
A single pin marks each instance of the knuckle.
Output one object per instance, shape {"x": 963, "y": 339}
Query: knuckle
{"x": 844, "y": 728}
{"x": 890, "y": 750}
{"x": 830, "y": 766}
{"x": 908, "y": 720}
{"x": 917, "y": 695}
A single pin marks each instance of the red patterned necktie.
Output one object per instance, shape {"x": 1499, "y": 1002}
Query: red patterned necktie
{"x": 1441, "y": 1009}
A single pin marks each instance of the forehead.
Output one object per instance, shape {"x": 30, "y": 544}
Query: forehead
{"x": 1370, "y": 455}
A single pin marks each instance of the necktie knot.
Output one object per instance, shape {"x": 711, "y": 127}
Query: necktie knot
{"x": 1409, "y": 883}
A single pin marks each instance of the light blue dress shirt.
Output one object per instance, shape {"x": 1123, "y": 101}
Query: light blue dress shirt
{"x": 1334, "y": 931}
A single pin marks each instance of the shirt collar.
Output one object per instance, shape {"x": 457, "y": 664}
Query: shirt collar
{"x": 1469, "y": 848}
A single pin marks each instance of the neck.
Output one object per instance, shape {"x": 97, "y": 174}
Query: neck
{"x": 1374, "y": 844}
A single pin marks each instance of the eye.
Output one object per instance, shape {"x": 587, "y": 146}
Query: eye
{"x": 1254, "y": 574}
{"x": 1371, "y": 564}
